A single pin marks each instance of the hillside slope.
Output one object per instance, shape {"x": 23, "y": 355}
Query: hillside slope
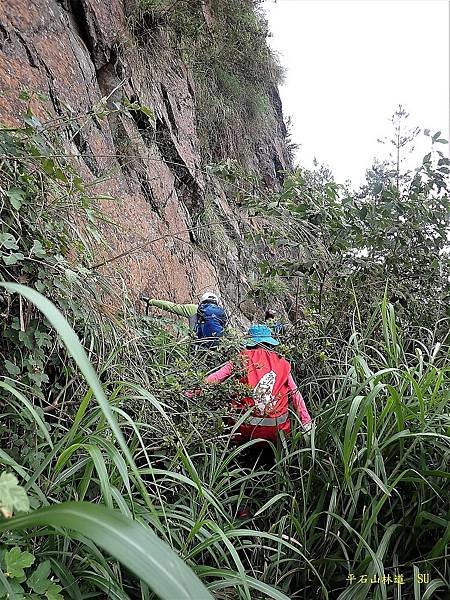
{"x": 89, "y": 57}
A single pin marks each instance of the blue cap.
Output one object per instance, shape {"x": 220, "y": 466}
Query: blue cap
{"x": 260, "y": 334}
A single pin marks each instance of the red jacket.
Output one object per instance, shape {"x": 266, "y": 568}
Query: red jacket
{"x": 270, "y": 377}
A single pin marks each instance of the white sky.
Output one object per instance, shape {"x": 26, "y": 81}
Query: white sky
{"x": 349, "y": 63}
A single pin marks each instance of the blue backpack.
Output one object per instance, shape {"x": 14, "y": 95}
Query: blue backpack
{"x": 210, "y": 323}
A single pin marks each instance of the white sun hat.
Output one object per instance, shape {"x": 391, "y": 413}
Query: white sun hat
{"x": 209, "y": 296}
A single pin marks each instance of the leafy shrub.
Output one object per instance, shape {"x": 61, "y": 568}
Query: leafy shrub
{"x": 333, "y": 244}
{"x": 47, "y": 228}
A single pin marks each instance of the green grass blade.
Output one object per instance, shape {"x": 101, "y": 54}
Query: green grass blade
{"x": 39, "y": 422}
{"x": 134, "y": 545}
{"x": 76, "y": 350}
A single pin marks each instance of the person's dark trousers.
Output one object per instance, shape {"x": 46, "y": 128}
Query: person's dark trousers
{"x": 259, "y": 457}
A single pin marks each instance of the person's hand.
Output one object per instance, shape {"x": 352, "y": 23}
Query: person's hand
{"x": 307, "y": 427}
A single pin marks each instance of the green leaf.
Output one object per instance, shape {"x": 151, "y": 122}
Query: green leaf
{"x": 38, "y": 378}
{"x": 15, "y": 591}
{"x": 52, "y": 592}
{"x": 130, "y": 542}
{"x": 13, "y": 258}
{"x": 27, "y": 339}
{"x": 59, "y": 174}
{"x": 77, "y": 351}
{"x": 38, "y": 580}
{"x": 16, "y": 561}
{"x": 148, "y": 112}
{"x": 70, "y": 275}
{"x": 38, "y": 249}
{"x": 12, "y": 495}
{"x": 48, "y": 165}
{"x": 436, "y": 136}
{"x": 432, "y": 587}
{"x": 16, "y": 197}
{"x": 8, "y": 241}
{"x": 11, "y": 368}
{"x": 31, "y": 120}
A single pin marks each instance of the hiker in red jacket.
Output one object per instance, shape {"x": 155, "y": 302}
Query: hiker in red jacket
{"x": 269, "y": 375}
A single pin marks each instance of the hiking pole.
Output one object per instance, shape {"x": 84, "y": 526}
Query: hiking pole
{"x": 147, "y": 305}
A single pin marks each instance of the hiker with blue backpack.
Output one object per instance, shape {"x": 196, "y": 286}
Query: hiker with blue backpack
{"x": 206, "y": 319}
{"x": 271, "y": 320}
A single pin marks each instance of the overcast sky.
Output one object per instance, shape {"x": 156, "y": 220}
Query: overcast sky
{"x": 349, "y": 63}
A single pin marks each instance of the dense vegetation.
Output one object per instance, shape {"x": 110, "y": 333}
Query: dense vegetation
{"x": 109, "y": 475}
{"x": 364, "y": 494}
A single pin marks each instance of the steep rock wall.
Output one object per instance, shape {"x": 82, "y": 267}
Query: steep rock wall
{"x": 80, "y": 53}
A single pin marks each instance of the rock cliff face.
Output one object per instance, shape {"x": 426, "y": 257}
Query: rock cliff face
{"x": 81, "y": 54}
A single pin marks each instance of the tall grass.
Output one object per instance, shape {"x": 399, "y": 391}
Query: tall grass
{"x": 365, "y": 494}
